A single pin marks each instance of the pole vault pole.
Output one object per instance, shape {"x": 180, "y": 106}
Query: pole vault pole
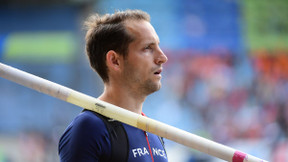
{"x": 125, "y": 116}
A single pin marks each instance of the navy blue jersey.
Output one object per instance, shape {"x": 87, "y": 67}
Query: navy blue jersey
{"x": 87, "y": 139}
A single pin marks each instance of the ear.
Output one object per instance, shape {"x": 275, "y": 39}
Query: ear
{"x": 113, "y": 60}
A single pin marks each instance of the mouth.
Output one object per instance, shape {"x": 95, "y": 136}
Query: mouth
{"x": 158, "y": 72}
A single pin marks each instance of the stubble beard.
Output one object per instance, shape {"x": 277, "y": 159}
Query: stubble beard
{"x": 149, "y": 87}
{"x": 140, "y": 86}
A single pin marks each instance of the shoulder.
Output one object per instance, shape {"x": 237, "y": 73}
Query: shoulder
{"x": 88, "y": 120}
{"x": 86, "y": 126}
{"x": 86, "y": 136}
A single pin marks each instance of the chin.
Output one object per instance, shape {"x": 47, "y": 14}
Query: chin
{"x": 151, "y": 87}
{"x": 156, "y": 87}
{"x": 159, "y": 86}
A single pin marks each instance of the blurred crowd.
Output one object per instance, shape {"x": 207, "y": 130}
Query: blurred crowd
{"x": 236, "y": 98}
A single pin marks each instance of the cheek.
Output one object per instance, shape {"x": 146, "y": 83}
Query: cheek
{"x": 140, "y": 63}
{"x": 144, "y": 64}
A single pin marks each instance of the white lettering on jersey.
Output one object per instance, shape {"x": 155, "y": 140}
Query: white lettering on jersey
{"x": 145, "y": 151}
{"x": 158, "y": 152}
{"x": 140, "y": 152}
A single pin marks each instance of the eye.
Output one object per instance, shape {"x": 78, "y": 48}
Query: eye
{"x": 148, "y": 47}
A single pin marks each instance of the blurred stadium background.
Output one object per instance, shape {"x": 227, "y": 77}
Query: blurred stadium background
{"x": 226, "y": 78}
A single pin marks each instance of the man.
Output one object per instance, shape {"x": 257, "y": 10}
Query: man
{"x": 123, "y": 48}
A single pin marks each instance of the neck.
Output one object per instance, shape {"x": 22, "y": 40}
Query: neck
{"x": 119, "y": 96}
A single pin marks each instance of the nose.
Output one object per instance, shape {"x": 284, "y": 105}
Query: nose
{"x": 161, "y": 58}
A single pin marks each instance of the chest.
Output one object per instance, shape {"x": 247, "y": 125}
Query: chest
{"x": 144, "y": 146}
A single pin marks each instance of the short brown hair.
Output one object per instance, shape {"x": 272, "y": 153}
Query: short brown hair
{"x": 108, "y": 32}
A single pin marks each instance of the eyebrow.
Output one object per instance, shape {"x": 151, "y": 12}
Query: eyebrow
{"x": 153, "y": 42}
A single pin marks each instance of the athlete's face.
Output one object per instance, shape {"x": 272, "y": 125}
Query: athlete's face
{"x": 143, "y": 64}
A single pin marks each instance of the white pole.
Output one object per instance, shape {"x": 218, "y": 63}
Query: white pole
{"x": 125, "y": 116}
